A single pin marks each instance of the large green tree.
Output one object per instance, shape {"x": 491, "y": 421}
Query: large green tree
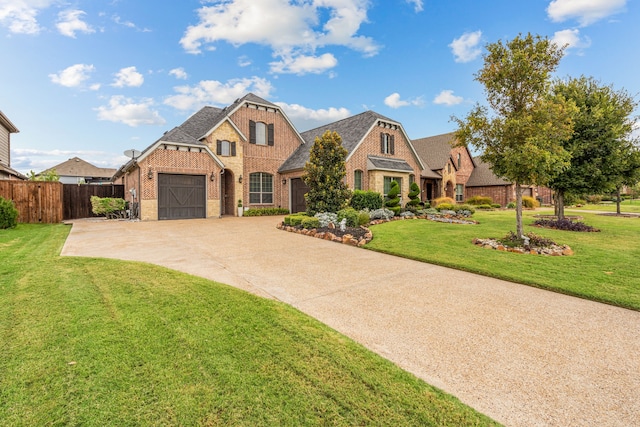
{"x": 521, "y": 138}
{"x": 324, "y": 175}
{"x": 602, "y": 153}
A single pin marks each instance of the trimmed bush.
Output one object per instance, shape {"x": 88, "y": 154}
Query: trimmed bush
{"x": 496, "y": 205}
{"x": 310, "y": 222}
{"x": 361, "y": 199}
{"x": 445, "y": 206}
{"x": 327, "y": 218}
{"x": 511, "y": 205}
{"x": 351, "y": 216}
{"x": 363, "y": 218}
{"x": 414, "y": 197}
{"x": 484, "y": 206}
{"x": 439, "y": 200}
{"x": 529, "y": 202}
{"x": 393, "y": 199}
{"x": 594, "y": 199}
{"x": 565, "y": 225}
{"x": 8, "y": 214}
{"x": 479, "y": 200}
{"x": 381, "y": 214}
{"x": 295, "y": 219}
{"x": 107, "y": 206}
{"x": 265, "y": 211}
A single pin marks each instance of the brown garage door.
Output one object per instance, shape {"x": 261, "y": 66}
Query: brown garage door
{"x": 298, "y": 190}
{"x": 181, "y": 196}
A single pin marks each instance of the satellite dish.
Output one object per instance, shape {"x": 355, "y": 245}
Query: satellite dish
{"x": 134, "y": 154}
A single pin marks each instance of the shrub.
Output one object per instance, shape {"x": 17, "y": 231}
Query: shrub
{"x": 326, "y": 218}
{"x": 351, "y": 216}
{"x": 366, "y": 200}
{"x": 565, "y": 224}
{"x": 511, "y": 205}
{"x": 414, "y": 197}
{"x": 106, "y": 206}
{"x": 439, "y": 200}
{"x": 8, "y": 214}
{"x": 479, "y": 200}
{"x": 468, "y": 208}
{"x": 393, "y": 199}
{"x": 265, "y": 211}
{"x": 512, "y": 240}
{"x": 381, "y": 214}
{"x": 363, "y": 218}
{"x": 427, "y": 211}
{"x": 310, "y": 222}
{"x": 529, "y": 202}
{"x": 496, "y": 205}
{"x": 445, "y": 206}
{"x": 295, "y": 219}
{"x": 594, "y": 199}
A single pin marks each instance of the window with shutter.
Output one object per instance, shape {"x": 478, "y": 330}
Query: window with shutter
{"x": 252, "y": 132}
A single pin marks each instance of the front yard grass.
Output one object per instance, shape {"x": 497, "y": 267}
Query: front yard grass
{"x": 626, "y": 206}
{"x": 604, "y": 267}
{"x": 98, "y": 342}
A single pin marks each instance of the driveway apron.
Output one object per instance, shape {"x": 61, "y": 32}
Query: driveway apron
{"x": 521, "y": 355}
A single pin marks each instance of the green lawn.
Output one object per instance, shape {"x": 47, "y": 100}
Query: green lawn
{"x": 604, "y": 267}
{"x": 97, "y": 342}
{"x": 631, "y": 206}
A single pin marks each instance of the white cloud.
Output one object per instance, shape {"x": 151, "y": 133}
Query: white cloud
{"x": 303, "y": 64}
{"x": 571, "y": 38}
{"x": 465, "y": 48}
{"x": 306, "y": 118}
{"x": 27, "y": 159}
{"x": 69, "y": 22}
{"x": 244, "y": 61}
{"x": 129, "y": 24}
{"x": 125, "y": 110}
{"x": 128, "y": 77}
{"x": 394, "y": 101}
{"x": 446, "y": 97}
{"x": 74, "y": 76}
{"x": 20, "y": 15}
{"x": 417, "y": 5}
{"x": 285, "y": 26}
{"x": 212, "y": 92}
{"x": 179, "y": 73}
{"x": 585, "y": 11}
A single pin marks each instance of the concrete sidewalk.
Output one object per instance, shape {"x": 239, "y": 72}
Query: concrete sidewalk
{"x": 523, "y": 356}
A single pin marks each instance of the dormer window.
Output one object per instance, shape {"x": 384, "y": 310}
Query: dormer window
{"x": 387, "y": 145}
{"x": 261, "y": 133}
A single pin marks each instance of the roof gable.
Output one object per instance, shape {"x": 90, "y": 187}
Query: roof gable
{"x": 482, "y": 175}
{"x": 78, "y": 167}
{"x": 6, "y": 123}
{"x": 435, "y": 150}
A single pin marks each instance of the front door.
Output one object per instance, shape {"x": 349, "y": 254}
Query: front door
{"x": 228, "y": 193}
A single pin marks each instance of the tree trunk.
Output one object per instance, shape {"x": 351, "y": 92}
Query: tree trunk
{"x": 519, "y": 227}
{"x": 560, "y": 205}
{"x": 618, "y": 200}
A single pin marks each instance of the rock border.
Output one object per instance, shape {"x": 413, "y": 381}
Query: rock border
{"x": 347, "y": 239}
{"x": 553, "y": 250}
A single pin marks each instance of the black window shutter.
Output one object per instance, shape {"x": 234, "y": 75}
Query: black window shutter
{"x": 219, "y": 147}
{"x": 233, "y": 148}
{"x": 270, "y": 134}
{"x": 252, "y": 132}
{"x": 392, "y": 141}
{"x": 382, "y": 143}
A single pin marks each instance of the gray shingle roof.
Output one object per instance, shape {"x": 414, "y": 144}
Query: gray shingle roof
{"x": 352, "y": 130}
{"x": 386, "y": 163}
{"x": 179, "y": 135}
{"x": 202, "y": 121}
{"x": 435, "y": 150}
{"x": 483, "y": 176}
{"x": 78, "y": 167}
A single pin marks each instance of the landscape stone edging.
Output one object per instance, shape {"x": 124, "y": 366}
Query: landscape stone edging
{"x": 553, "y": 250}
{"x": 347, "y": 239}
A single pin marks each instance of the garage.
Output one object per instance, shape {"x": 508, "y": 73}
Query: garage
{"x": 182, "y": 196}
{"x": 298, "y": 190}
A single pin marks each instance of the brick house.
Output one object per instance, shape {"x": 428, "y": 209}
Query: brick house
{"x": 6, "y": 129}
{"x": 378, "y": 152}
{"x": 450, "y": 170}
{"x": 250, "y": 151}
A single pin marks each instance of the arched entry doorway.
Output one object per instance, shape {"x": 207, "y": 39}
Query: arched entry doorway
{"x": 228, "y": 193}
{"x": 448, "y": 191}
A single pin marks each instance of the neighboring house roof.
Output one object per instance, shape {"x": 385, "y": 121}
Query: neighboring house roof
{"x": 6, "y": 123}
{"x": 79, "y": 168}
{"x": 483, "y": 176}
{"x": 352, "y": 130}
{"x": 6, "y": 170}
{"x": 436, "y": 150}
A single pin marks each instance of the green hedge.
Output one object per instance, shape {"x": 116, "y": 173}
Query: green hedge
{"x": 310, "y": 222}
{"x": 361, "y": 199}
{"x": 8, "y": 214}
{"x": 295, "y": 219}
{"x": 265, "y": 212}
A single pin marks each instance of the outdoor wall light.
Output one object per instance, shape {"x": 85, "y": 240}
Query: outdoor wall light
{"x": 212, "y": 177}
{"x": 150, "y": 174}
{"x": 284, "y": 181}
{"x": 240, "y": 179}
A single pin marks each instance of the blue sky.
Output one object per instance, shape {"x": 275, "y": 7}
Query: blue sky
{"x": 94, "y": 78}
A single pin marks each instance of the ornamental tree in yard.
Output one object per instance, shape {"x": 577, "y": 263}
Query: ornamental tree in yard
{"x": 324, "y": 175}
{"x": 522, "y": 139}
{"x": 414, "y": 197}
{"x": 603, "y": 157}
{"x": 393, "y": 198}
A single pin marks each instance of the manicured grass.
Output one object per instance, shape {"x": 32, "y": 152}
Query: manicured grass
{"x": 632, "y": 206}
{"x": 604, "y": 267}
{"x": 97, "y": 342}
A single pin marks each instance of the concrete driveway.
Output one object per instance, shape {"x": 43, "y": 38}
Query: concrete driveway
{"x": 523, "y": 356}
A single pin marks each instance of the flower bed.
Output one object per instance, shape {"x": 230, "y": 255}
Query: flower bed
{"x": 354, "y": 236}
{"x": 531, "y": 244}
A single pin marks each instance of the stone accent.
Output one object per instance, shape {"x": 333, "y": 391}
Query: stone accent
{"x": 554, "y": 250}
{"x": 347, "y": 239}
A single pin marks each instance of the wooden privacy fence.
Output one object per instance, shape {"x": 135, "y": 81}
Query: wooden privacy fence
{"x": 36, "y": 201}
{"x": 53, "y": 202}
{"x": 77, "y": 198}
